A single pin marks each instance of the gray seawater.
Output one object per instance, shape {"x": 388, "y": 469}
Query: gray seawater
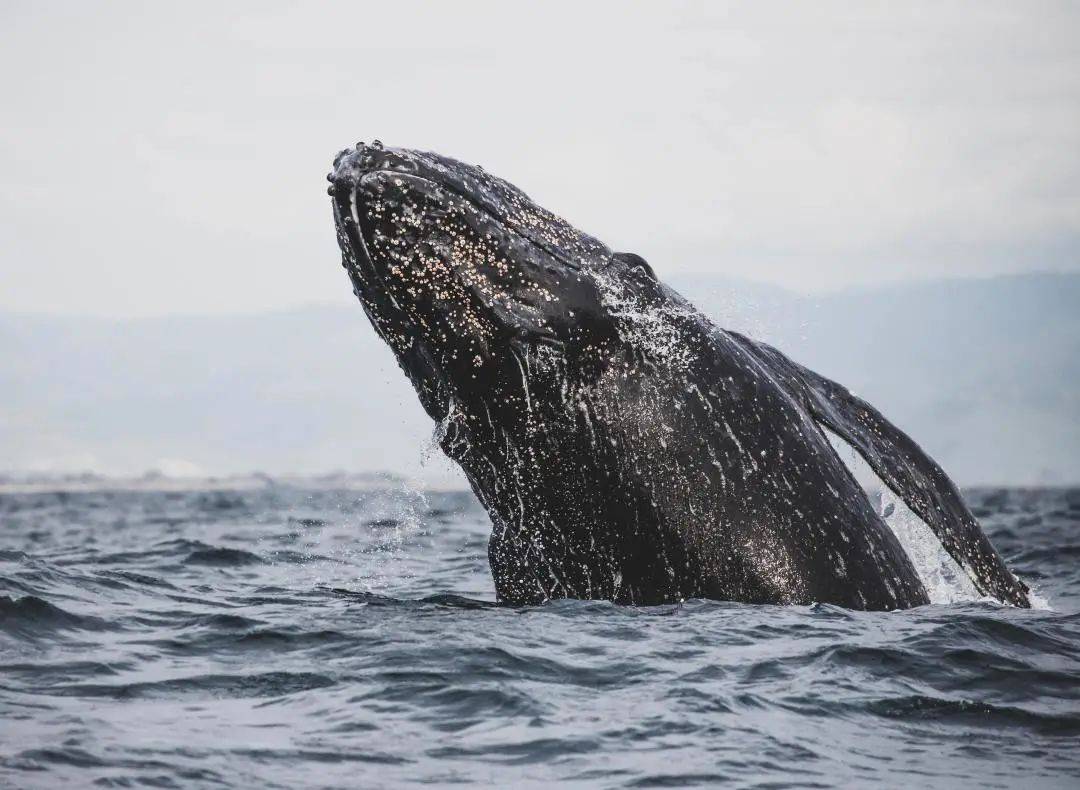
{"x": 284, "y": 637}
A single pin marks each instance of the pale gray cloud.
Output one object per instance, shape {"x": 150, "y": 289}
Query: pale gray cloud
{"x": 169, "y": 158}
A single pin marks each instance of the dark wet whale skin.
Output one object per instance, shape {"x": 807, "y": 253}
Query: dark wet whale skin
{"x": 624, "y": 446}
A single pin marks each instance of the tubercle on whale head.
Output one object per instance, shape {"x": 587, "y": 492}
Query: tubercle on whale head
{"x": 456, "y": 267}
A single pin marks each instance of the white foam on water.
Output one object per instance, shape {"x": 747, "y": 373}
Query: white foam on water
{"x": 370, "y": 548}
{"x": 382, "y": 557}
{"x": 1038, "y": 601}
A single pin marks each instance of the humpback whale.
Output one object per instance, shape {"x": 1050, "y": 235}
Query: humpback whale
{"x": 625, "y": 447}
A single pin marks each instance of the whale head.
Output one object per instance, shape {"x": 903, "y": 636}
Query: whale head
{"x": 459, "y": 271}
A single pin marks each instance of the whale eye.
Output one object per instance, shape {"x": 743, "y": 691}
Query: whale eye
{"x": 636, "y": 262}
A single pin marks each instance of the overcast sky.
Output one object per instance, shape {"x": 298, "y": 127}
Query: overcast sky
{"x": 162, "y": 158}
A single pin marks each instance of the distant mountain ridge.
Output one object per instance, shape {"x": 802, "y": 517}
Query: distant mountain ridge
{"x": 984, "y": 374}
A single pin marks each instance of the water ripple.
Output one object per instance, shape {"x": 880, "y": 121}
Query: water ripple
{"x": 288, "y": 637}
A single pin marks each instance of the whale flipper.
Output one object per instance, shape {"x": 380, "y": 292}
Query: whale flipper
{"x": 903, "y": 466}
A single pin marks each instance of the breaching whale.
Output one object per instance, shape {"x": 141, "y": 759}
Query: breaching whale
{"x": 624, "y": 446}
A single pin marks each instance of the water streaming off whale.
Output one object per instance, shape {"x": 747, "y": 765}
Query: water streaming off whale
{"x": 945, "y": 581}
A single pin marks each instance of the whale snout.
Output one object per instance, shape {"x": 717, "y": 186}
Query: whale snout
{"x": 453, "y": 256}
{"x": 352, "y": 164}
{"x": 347, "y": 169}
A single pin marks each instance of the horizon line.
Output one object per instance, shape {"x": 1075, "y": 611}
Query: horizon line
{"x": 347, "y": 300}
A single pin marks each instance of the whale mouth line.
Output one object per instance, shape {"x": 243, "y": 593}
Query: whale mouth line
{"x": 355, "y": 235}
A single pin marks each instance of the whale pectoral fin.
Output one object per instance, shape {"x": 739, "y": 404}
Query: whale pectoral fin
{"x": 911, "y": 474}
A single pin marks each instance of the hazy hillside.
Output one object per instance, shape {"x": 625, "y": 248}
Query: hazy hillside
{"x": 984, "y": 373}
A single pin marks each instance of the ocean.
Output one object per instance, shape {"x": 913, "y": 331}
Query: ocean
{"x": 289, "y": 635}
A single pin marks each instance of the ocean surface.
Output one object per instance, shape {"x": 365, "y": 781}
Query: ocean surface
{"x": 290, "y": 636}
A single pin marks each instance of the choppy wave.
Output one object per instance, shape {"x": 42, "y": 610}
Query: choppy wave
{"x": 284, "y": 637}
